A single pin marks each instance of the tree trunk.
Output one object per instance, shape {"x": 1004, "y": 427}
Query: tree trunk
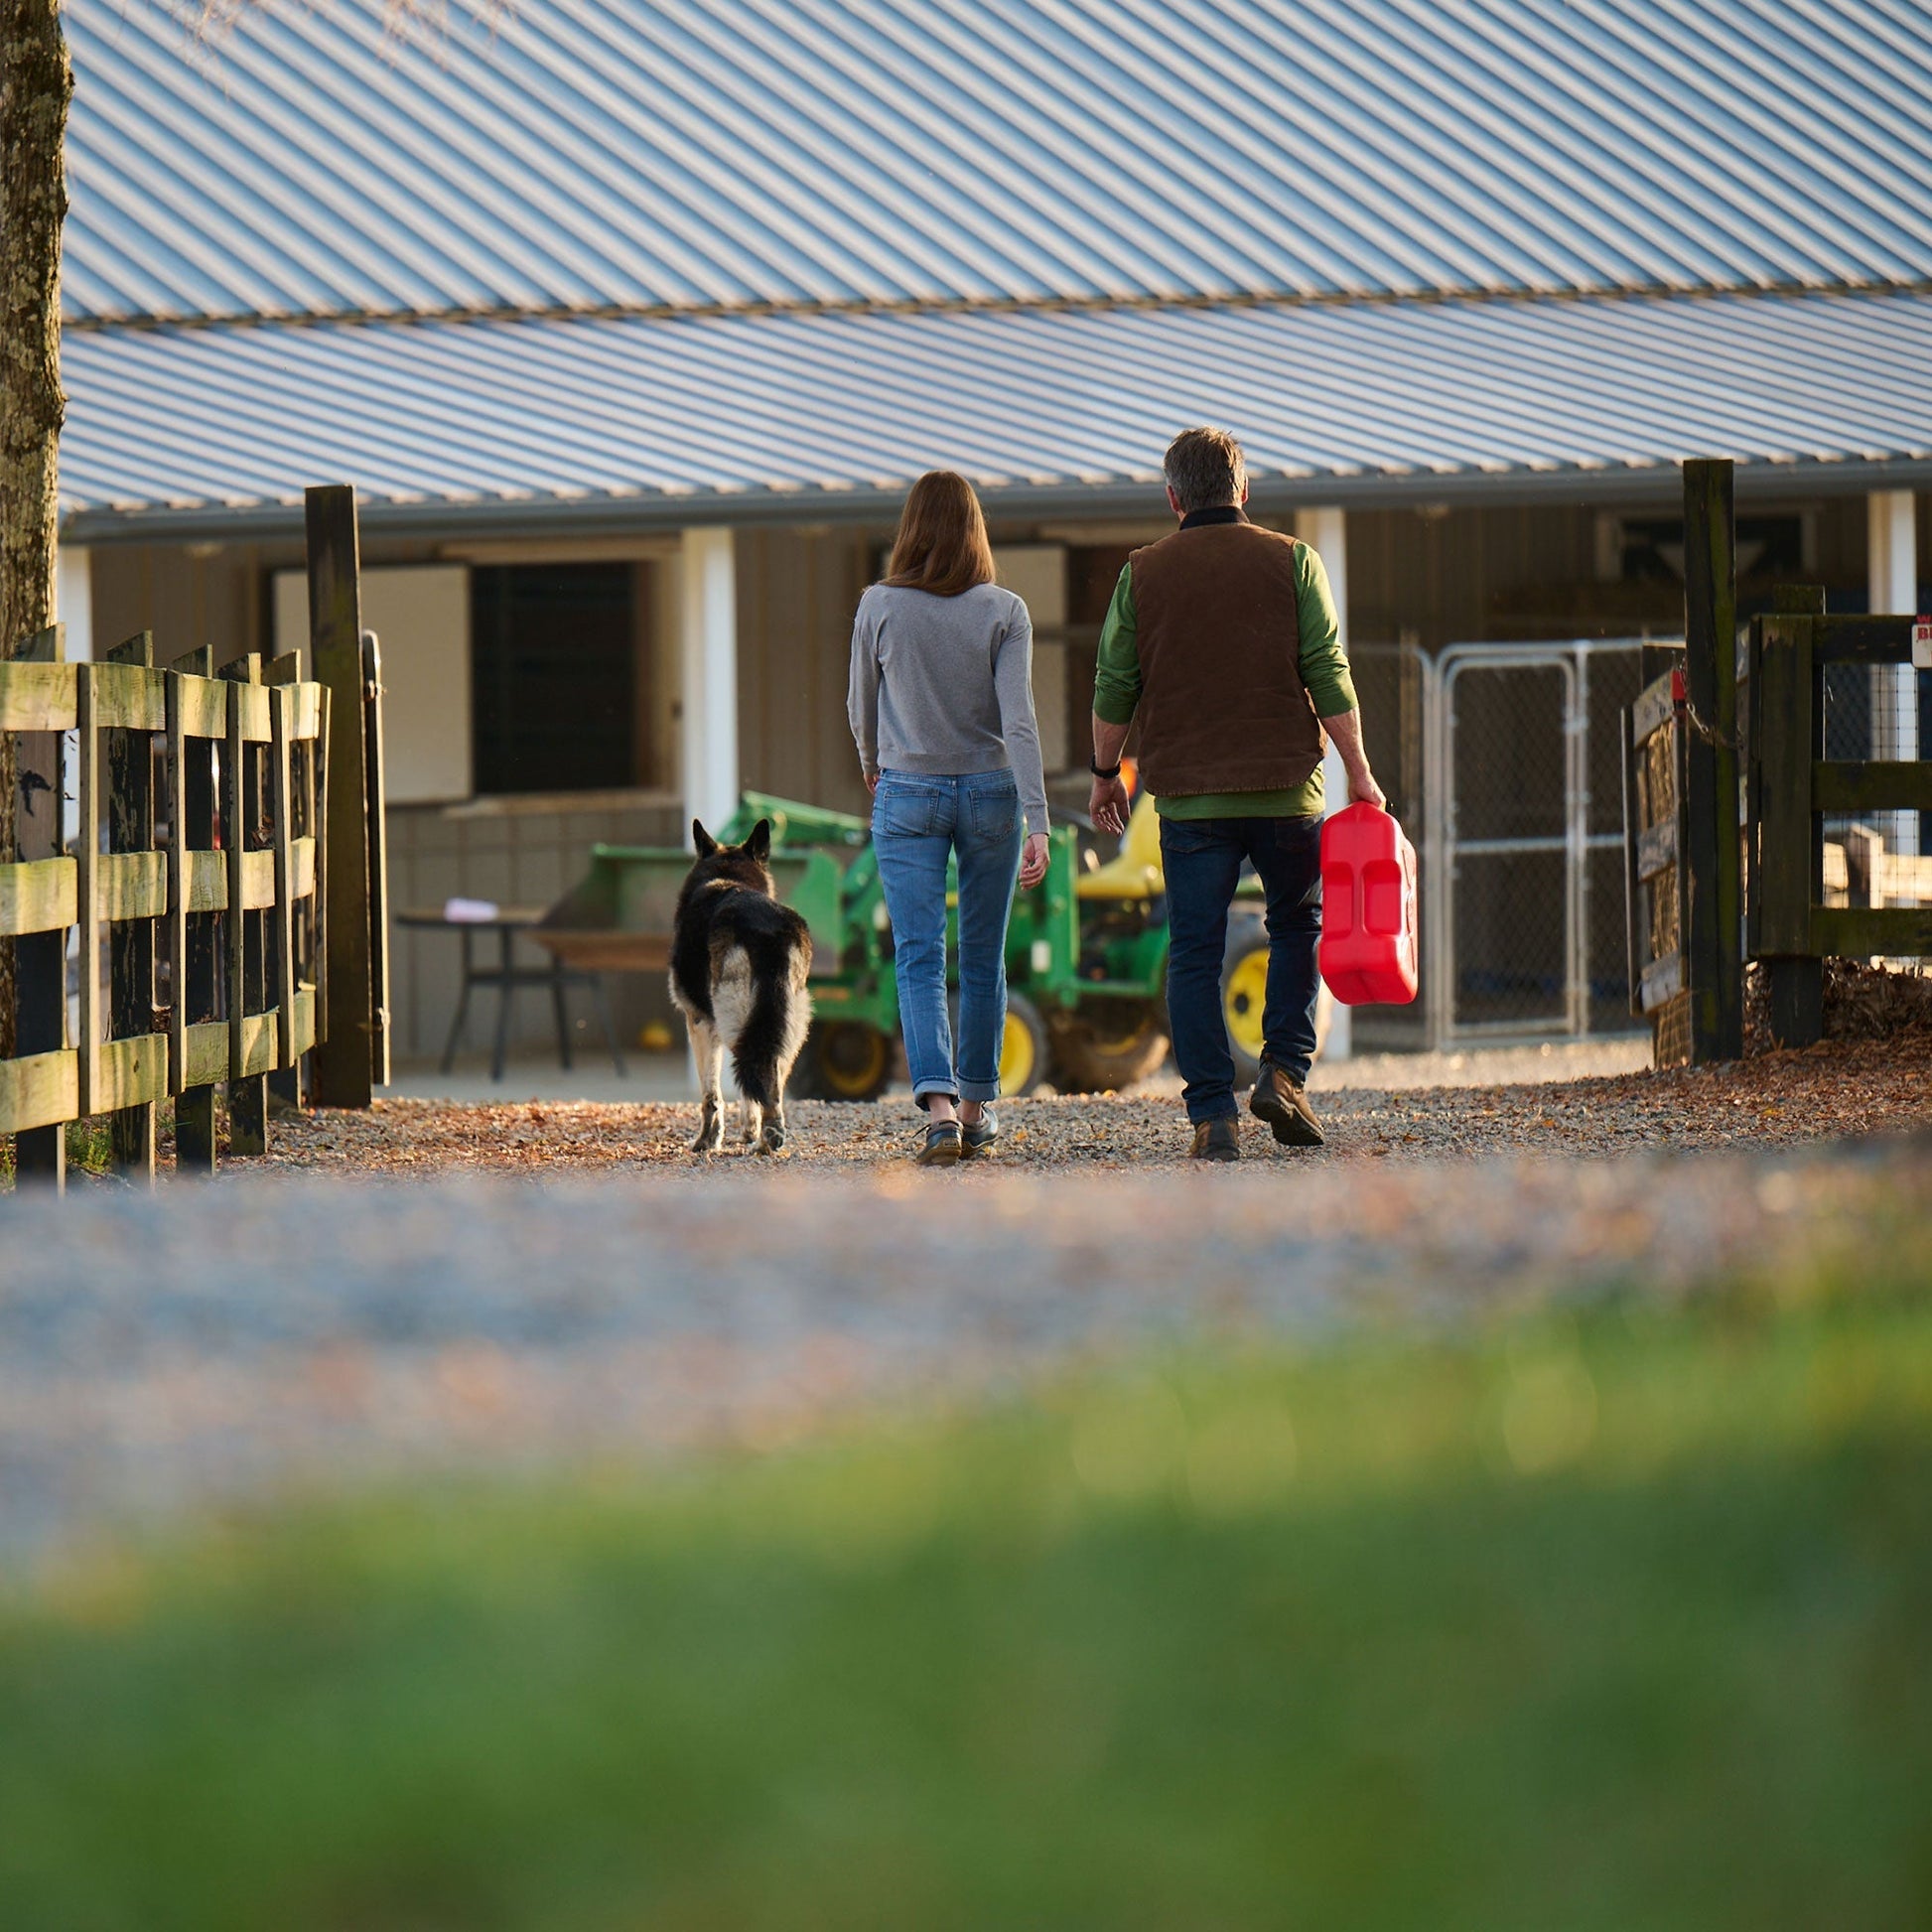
{"x": 35, "y": 83}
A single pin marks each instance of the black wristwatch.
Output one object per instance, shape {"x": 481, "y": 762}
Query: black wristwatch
{"x": 1112, "y": 772}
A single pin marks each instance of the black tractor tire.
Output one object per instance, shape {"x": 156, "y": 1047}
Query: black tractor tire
{"x": 1109, "y": 1046}
{"x": 843, "y": 1059}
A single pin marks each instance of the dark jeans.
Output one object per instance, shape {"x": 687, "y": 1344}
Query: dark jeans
{"x": 1202, "y": 858}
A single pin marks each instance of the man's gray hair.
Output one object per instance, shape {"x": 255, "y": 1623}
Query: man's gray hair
{"x": 1205, "y": 469}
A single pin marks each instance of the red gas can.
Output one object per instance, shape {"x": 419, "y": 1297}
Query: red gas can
{"x": 1368, "y": 908}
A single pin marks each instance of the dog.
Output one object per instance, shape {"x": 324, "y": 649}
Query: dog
{"x": 739, "y": 965}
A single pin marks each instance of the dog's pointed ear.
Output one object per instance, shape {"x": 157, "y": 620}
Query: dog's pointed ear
{"x": 758, "y": 845}
{"x": 705, "y": 843}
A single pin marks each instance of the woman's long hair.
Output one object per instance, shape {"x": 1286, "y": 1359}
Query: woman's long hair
{"x": 942, "y": 544}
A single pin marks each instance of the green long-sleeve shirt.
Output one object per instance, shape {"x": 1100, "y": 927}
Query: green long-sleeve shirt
{"x": 1325, "y": 670}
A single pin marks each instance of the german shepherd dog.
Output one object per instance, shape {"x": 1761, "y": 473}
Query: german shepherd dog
{"x": 739, "y": 965}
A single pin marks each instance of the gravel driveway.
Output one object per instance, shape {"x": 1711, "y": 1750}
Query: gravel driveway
{"x": 284, "y": 1331}
{"x": 1776, "y": 1100}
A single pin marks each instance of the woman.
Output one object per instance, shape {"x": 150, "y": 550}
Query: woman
{"x": 942, "y": 711}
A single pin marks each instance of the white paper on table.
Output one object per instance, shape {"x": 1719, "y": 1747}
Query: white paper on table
{"x": 469, "y": 911}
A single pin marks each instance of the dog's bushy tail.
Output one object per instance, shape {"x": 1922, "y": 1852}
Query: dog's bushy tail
{"x": 774, "y": 1031}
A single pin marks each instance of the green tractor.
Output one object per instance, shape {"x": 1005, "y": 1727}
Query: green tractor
{"x": 1086, "y": 951}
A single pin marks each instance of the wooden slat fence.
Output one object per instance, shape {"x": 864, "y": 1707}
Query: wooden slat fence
{"x": 1792, "y": 785}
{"x": 208, "y": 877}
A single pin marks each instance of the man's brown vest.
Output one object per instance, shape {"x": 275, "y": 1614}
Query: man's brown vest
{"x": 1222, "y": 704}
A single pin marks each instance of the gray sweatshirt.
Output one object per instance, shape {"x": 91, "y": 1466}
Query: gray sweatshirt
{"x": 943, "y": 685}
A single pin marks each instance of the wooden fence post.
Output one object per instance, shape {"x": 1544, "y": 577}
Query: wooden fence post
{"x": 1713, "y": 881}
{"x": 1788, "y": 853}
{"x": 40, "y": 958}
{"x": 285, "y": 1082}
{"x": 242, "y": 812}
{"x": 344, "y": 1055}
{"x": 376, "y": 787}
{"x": 130, "y": 942}
{"x": 191, "y": 805}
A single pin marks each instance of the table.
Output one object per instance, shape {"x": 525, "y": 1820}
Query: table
{"x": 506, "y": 976}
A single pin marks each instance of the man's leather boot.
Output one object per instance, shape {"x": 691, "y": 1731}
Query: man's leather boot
{"x": 1215, "y": 1140}
{"x": 1284, "y": 1105}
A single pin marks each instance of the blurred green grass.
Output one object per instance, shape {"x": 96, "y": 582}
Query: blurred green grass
{"x": 1617, "y": 1622}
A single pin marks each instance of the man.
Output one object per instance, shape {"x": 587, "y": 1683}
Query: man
{"x": 1223, "y": 639}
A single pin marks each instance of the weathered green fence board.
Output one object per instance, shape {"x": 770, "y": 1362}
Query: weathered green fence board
{"x": 132, "y": 1072}
{"x": 35, "y": 697}
{"x": 206, "y": 1049}
{"x": 1879, "y": 785}
{"x": 133, "y": 885}
{"x": 207, "y": 882}
{"x": 1864, "y": 639}
{"x": 1867, "y": 933}
{"x": 37, "y": 895}
{"x": 130, "y": 697}
{"x": 204, "y": 705}
{"x": 42, "y": 1090}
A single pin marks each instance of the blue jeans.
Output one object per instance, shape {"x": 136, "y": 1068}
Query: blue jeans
{"x": 917, "y": 823}
{"x": 1202, "y": 859}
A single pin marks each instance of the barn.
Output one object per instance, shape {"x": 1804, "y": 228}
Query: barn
{"x": 630, "y": 319}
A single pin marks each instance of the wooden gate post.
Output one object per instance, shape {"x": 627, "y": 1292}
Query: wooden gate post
{"x": 343, "y": 1055}
{"x": 376, "y": 790}
{"x": 1713, "y": 878}
{"x": 40, "y": 958}
{"x": 1787, "y": 856}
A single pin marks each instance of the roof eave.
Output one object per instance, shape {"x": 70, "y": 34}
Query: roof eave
{"x": 577, "y": 517}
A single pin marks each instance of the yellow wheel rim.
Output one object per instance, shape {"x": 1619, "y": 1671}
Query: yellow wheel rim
{"x": 1017, "y": 1056}
{"x": 1244, "y": 999}
{"x": 853, "y": 1061}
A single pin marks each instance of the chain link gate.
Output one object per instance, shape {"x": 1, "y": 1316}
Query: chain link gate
{"x": 1523, "y": 840}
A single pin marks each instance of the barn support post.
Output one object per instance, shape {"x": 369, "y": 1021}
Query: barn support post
{"x": 1713, "y": 898}
{"x": 344, "y": 1055}
{"x": 1892, "y": 538}
{"x": 708, "y": 561}
{"x": 74, "y": 597}
{"x": 1325, "y": 531}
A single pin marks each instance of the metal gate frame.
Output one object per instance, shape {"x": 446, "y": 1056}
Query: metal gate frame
{"x": 1442, "y": 847}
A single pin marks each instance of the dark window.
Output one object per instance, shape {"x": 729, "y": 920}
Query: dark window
{"x": 1767, "y": 546}
{"x": 554, "y": 650}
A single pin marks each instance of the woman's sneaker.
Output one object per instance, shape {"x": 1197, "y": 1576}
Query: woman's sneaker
{"x": 976, "y": 1137}
{"x": 941, "y": 1148}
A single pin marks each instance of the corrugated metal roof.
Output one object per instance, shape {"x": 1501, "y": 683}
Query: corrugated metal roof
{"x": 696, "y": 154}
{"x": 658, "y": 419}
